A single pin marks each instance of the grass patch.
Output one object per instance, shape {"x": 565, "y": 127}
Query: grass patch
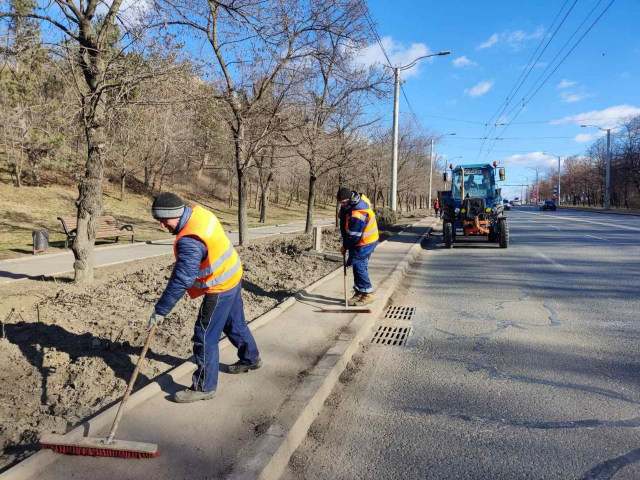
{"x": 36, "y": 208}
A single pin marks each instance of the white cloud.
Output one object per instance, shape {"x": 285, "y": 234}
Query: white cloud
{"x": 453, "y": 101}
{"x": 533, "y": 159}
{"x": 584, "y": 137}
{"x": 479, "y": 89}
{"x": 493, "y": 39}
{"x": 607, "y": 118}
{"x": 398, "y": 53}
{"x": 566, "y": 83}
{"x": 463, "y": 61}
{"x": 569, "y": 97}
{"x": 515, "y": 39}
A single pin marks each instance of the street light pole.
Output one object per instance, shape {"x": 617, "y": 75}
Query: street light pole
{"x": 607, "y": 203}
{"x": 396, "y": 104}
{"x": 607, "y": 200}
{"x": 394, "y": 155}
{"x": 559, "y": 173}
{"x": 430, "y": 173}
{"x": 537, "y": 184}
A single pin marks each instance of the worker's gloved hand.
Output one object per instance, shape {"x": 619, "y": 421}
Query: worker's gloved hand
{"x": 342, "y": 250}
{"x": 155, "y": 319}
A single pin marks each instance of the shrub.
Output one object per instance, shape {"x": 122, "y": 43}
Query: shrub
{"x": 386, "y": 216}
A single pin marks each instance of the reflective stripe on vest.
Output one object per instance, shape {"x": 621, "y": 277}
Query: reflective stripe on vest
{"x": 221, "y": 270}
{"x": 370, "y": 233}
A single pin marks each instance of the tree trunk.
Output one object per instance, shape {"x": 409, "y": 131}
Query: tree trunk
{"x": 264, "y": 198}
{"x": 310, "y": 203}
{"x": 203, "y": 164}
{"x": 243, "y": 231}
{"x": 89, "y": 201}
{"x": 35, "y": 168}
{"x": 123, "y": 179}
{"x": 147, "y": 172}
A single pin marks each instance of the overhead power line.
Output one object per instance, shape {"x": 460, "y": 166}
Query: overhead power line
{"x": 530, "y": 69}
{"x": 528, "y": 63}
{"x": 525, "y": 101}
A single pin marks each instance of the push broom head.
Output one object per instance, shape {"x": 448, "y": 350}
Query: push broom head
{"x": 96, "y": 447}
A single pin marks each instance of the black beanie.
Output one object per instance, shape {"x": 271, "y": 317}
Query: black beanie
{"x": 344, "y": 194}
{"x": 167, "y": 205}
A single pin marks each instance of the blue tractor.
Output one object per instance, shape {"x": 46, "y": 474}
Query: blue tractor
{"x": 473, "y": 206}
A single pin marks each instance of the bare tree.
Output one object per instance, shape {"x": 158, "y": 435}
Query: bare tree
{"x": 335, "y": 84}
{"x": 99, "y": 41}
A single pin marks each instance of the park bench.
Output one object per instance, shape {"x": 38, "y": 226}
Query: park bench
{"x": 109, "y": 227}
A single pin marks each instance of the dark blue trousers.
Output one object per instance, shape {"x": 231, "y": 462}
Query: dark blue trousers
{"x": 359, "y": 258}
{"x": 220, "y": 312}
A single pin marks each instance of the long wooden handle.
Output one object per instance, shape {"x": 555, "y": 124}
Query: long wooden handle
{"x": 143, "y": 354}
{"x": 344, "y": 266}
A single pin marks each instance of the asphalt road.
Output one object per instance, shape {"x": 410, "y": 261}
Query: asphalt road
{"x": 522, "y": 363}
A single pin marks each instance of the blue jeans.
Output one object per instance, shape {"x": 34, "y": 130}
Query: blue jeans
{"x": 220, "y": 312}
{"x": 359, "y": 259}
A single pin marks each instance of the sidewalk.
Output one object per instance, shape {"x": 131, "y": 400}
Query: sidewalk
{"x": 615, "y": 211}
{"x": 207, "y": 439}
{"x": 59, "y": 263}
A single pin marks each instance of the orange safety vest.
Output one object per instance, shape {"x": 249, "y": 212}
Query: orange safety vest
{"x": 222, "y": 269}
{"x": 370, "y": 233}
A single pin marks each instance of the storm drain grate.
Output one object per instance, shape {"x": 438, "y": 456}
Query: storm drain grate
{"x": 400, "y": 313}
{"x": 391, "y": 335}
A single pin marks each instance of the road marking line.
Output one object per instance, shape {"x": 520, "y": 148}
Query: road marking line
{"x": 551, "y": 260}
{"x": 586, "y": 221}
{"x": 597, "y": 238}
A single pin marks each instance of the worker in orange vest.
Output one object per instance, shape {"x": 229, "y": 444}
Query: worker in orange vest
{"x": 206, "y": 265}
{"x": 359, "y": 231}
{"x": 436, "y": 206}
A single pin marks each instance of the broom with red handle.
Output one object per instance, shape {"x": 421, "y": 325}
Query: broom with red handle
{"x": 109, "y": 447}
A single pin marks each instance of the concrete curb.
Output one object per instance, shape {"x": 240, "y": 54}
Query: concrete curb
{"x": 613, "y": 212}
{"x": 32, "y": 465}
{"x": 273, "y": 450}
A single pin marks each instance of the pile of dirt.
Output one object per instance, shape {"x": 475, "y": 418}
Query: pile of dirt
{"x": 68, "y": 351}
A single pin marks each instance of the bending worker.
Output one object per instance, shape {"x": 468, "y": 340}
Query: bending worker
{"x": 206, "y": 265}
{"x": 359, "y": 237}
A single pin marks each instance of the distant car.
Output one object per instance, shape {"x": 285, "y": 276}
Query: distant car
{"x": 548, "y": 205}
{"x": 506, "y": 205}
{"x": 516, "y": 203}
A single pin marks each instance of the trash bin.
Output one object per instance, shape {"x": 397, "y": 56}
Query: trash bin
{"x": 40, "y": 241}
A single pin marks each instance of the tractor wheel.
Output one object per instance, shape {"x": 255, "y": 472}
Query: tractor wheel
{"x": 447, "y": 229}
{"x": 504, "y": 233}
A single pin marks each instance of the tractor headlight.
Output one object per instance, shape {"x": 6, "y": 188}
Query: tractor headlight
{"x": 494, "y": 209}
{"x": 457, "y": 210}
{"x": 488, "y": 210}
{"x": 464, "y": 210}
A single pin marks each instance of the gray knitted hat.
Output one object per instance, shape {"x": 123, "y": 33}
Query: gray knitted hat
{"x": 167, "y": 205}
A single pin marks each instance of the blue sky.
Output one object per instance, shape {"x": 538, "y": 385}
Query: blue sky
{"x": 491, "y": 43}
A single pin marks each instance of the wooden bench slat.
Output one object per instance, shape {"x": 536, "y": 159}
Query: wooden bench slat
{"x": 107, "y": 227}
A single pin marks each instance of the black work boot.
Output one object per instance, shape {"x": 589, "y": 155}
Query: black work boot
{"x": 242, "y": 367}
{"x": 189, "y": 395}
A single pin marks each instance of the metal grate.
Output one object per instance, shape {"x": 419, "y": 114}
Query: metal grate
{"x": 400, "y": 313}
{"x": 391, "y": 335}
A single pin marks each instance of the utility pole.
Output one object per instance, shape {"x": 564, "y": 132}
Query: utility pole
{"x": 607, "y": 199}
{"x": 559, "y": 172}
{"x": 396, "y": 103}
{"x": 537, "y": 184}
{"x": 394, "y": 155}
{"x": 430, "y": 173}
